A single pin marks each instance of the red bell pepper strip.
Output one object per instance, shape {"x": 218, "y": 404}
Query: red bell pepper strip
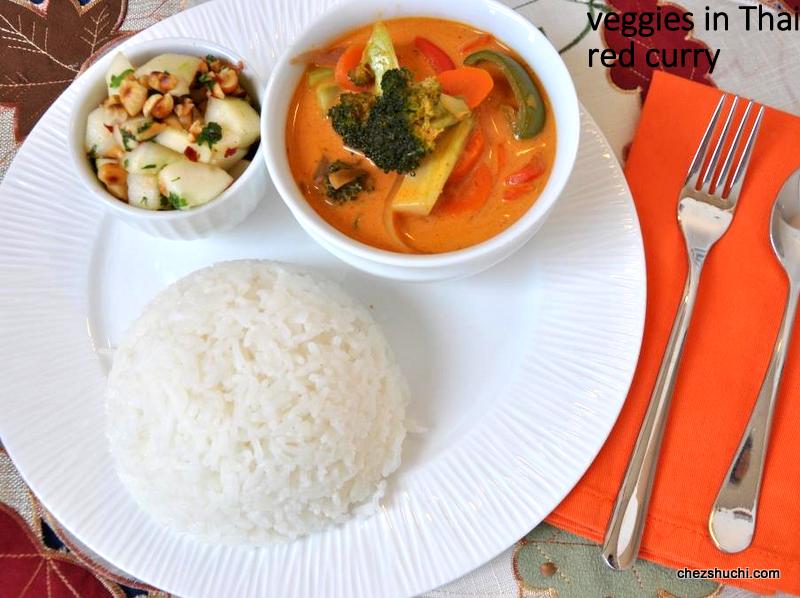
{"x": 513, "y": 193}
{"x": 480, "y": 41}
{"x": 531, "y": 171}
{"x": 438, "y": 58}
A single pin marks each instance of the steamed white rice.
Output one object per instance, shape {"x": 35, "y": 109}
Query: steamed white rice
{"x": 252, "y": 402}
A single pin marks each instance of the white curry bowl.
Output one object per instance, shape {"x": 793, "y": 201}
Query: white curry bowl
{"x": 225, "y": 211}
{"x": 507, "y": 26}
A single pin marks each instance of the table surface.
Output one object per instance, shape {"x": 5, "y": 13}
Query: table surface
{"x": 548, "y": 562}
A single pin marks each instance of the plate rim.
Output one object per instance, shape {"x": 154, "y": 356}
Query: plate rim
{"x": 17, "y": 165}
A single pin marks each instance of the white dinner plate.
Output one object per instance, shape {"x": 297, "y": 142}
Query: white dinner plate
{"x": 518, "y": 374}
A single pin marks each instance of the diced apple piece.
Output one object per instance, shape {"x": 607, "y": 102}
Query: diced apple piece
{"x": 225, "y": 158}
{"x": 184, "y": 67}
{"x": 114, "y": 115}
{"x": 238, "y": 169}
{"x": 149, "y": 158}
{"x": 178, "y": 140}
{"x": 240, "y": 122}
{"x": 143, "y": 191}
{"x": 103, "y": 161}
{"x": 99, "y": 140}
{"x": 120, "y": 68}
{"x": 190, "y": 184}
{"x": 124, "y": 139}
{"x": 127, "y": 133}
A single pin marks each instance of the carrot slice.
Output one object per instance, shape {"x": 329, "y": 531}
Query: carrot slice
{"x": 471, "y": 196}
{"x": 531, "y": 171}
{"x": 469, "y": 82}
{"x": 482, "y": 40}
{"x": 438, "y": 58}
{"x": 469, "y": 157}
{"x": 346, "y": 63}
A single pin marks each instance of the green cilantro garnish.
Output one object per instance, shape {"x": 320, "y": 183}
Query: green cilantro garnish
{"x": 144, "y": 126}
{"x": 210, "y": 58}
{"x": 126, "y": 163}
{"x": 92, "y": 153}
{"x": 177, "y": 201}
{"x": 210, "y": 134}
{"x": 206, "y": 79}
{"x": 116, "y": 80}
{"x": 126, "y": 137}
{"x": 148, "y": 166}
{"x": 164, "y": 202}
{"x": 177, "y": 178}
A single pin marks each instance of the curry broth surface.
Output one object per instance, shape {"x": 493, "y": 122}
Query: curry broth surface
{"x": 310, "y": 137}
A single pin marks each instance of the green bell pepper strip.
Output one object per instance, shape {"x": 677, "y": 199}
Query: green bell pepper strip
{"x": 530, "y": 106}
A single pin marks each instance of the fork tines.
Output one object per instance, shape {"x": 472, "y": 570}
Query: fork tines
{"x": 722, "y": 185}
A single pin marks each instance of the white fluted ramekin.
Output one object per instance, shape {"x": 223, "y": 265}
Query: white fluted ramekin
{"x": 224, "y": 212}
{"x": 507, "y": 26}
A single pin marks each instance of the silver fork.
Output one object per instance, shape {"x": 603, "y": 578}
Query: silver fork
{"x": 705, "y": 212}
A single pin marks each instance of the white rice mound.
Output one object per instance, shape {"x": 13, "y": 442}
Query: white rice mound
{"x": 254, "y": 402}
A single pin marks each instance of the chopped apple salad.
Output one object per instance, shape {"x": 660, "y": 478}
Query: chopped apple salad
{"x": 173, "y": 133}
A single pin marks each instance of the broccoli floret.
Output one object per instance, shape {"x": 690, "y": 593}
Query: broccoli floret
{"x": 349, "y": 116}
{"x": 361, "y": 74}
{"x": 397, "y": 129}
{"x": 357, "y": 181}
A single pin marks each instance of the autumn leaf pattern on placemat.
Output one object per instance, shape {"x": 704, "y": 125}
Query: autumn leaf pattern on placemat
{"x": 638, "y": 76}
{"x": 43, "y": 47}
{"x": 39, "y": 558}
{"x": 39, "y": 571}
{"x": 790, "y": 5}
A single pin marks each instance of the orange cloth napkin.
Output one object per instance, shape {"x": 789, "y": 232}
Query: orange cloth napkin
{"x": 736, "y": 318}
